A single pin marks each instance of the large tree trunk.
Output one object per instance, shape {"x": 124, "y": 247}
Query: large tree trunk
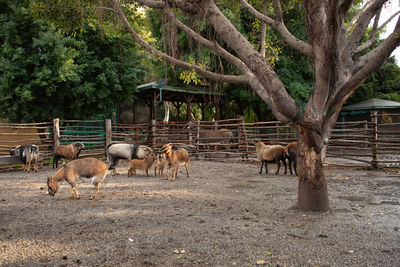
{"x": 312, "y": 188}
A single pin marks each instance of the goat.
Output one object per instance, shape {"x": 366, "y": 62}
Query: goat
{"x": 159, "y": 164}
{"x": 291, "y": 155}
{"x": 70, "y": 152}
{"x": 175, "y": 157}
{"x": 141, "y": 164}
{"x": 222, "y": 136}
{"x": 28, "y": 154}
{"x": 271, "y": 153}
{"x": 116, "y": 152}
{"x": 79, "y": 168}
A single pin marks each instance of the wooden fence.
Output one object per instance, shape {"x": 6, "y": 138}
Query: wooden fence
{"x": 40, "y": 134}
{"x": 371, "y": 143}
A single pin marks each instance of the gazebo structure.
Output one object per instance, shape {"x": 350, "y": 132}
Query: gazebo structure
{"x": 365, "y": 110}
{"x": 150, "y": 94}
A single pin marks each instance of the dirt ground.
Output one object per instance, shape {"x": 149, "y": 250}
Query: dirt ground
{"x": 225, "y": 214}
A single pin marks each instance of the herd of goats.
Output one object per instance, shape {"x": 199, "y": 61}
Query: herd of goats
{"x": 141, "y": 157}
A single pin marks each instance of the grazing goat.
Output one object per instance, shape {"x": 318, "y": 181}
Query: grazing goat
{"x": 70, "y": 152}
{"x": 271, "y": 153}
{"x": 175, "y": 157}
{"x": 291, "y": 154}
{"x": 141, "y": 164}
{"x": 116, "y": 152}
{"x": 79, "y": 168}
{"x": 159, "y": 164}
{"x": 29, "y": 155}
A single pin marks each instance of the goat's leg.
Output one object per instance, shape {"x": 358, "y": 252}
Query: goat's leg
{"x": 278, "y": 163}
{"x": 174, "y": 172}
{"x": 96, "y": 181}
{"x": 266, "y": 166}
{"x": 295, "y": 165}
{"x": 96, "y": 189}
{"x": 290, "y": 166}
{"x": 55, "y": 160}
{"x": 187, "y": 169}
{"x": 72, "y": 192}
{"x": 167, "y": 174}
{"x": 262, "y": 163}
{"x": 284, "y": 163}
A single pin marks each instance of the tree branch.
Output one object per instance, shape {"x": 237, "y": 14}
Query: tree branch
{"x": 242, "y": 79}
{"x": 368, "y": 64}
{"x": 372, "y": 36}
{"x": 252, "y": 58}
{"x": 152, "y": 3}
{"x": 280, "y": 27}
{"x": 361, "y": 26}
{"x": 388, "y": 20}
{"x": 214, "y": 46}
{"x": 354, "y": 20}
{"x": 344, "y": 7}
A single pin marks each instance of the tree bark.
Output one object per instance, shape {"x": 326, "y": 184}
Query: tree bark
{"x": 312, "y": 186}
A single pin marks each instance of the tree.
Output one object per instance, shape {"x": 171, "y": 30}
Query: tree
{"x": 383, "y": 83}
{"x": 45, "y": 74}
{"x": 340, "y": 63}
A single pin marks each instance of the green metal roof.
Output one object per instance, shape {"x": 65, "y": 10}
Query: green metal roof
{"x": 172, "y": 93}
{"x": 371, "y": 104}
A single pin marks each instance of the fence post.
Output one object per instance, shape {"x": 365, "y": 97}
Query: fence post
{"x": 243, "y": 132}
{"x": 56, "y": 132}
{"x": 190, "y": 136}
{"x": 108, "y": 139}
{"x": 153, "y": 133}
{"x": 366, "y": 139}
{"x": 197, "y": 138}
{"x": 374, "y": 115}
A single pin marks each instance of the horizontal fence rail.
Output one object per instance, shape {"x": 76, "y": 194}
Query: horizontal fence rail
{"x": 368, "y": 143}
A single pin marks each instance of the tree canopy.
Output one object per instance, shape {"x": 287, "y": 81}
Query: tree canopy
{"x": 47, "y": 74}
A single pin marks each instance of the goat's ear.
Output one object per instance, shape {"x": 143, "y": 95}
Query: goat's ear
{"x": 49, "y": 178}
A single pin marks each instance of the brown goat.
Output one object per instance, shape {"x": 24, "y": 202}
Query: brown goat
{"x": 70, "y": 151}
{"x": 141, "y": 164}
{"x": 79, "y": 168}
{"x": 291, "y": 155}
{"x": 271, "y": 153}
{"x": 175, "y": 157}
{"x": 159, "y": 164}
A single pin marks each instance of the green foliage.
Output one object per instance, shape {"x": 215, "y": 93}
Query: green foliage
{"x": 383, "y": 83}
{"x": 45, "y": 74}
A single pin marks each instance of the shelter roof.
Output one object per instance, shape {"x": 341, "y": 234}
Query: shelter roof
{"x": 176, "y": 94}
{"x": 373, "y": 103}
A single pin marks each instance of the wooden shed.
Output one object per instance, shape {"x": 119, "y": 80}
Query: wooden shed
{"x": 150, "y": 94}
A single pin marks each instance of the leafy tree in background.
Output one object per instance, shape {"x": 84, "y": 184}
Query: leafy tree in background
{"x": 383, "y": 83}
{"x": 45, "y": 74}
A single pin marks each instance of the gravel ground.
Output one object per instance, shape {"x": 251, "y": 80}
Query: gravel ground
{"x": 225, "y": 214}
